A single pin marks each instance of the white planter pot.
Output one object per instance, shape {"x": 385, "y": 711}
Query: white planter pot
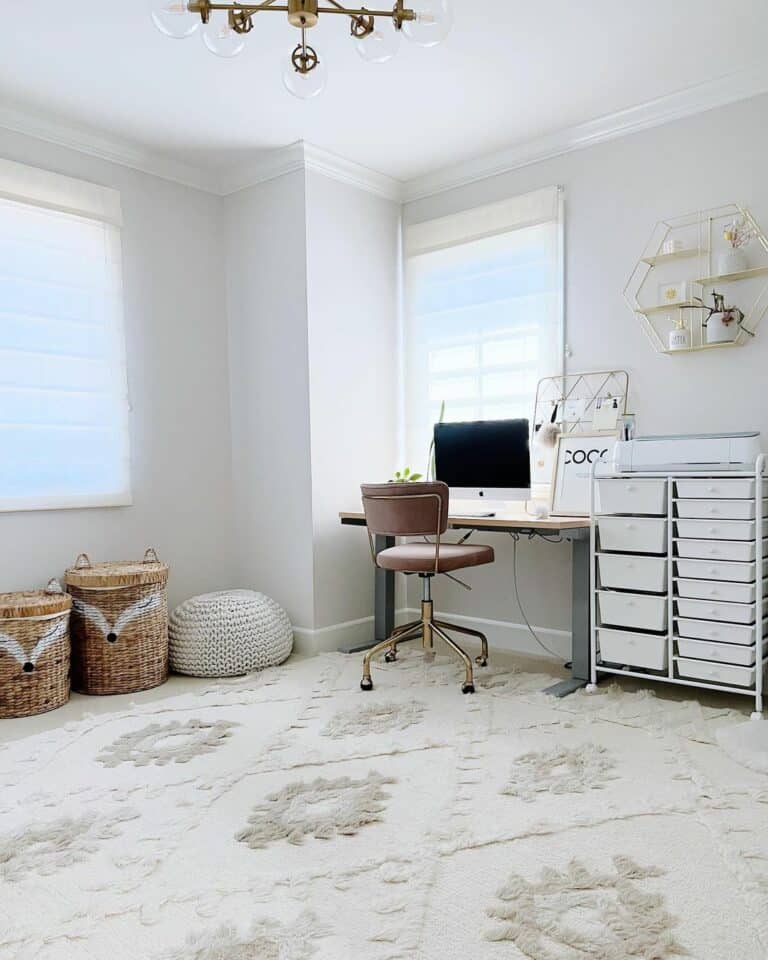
{"x": 731, "y": 261}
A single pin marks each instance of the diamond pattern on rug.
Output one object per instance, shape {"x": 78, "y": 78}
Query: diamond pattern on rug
{"x": 375, "y": 718}
{"x": 162, "y": 743}
{"x": 578, "y": 912}
{"x": 320, "y": 809}
{"x": 587, "y": 766}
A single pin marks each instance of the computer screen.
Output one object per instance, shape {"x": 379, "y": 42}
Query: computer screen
{"x": 484, "y": 457}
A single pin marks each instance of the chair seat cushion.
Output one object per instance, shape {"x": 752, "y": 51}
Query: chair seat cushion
{"x": 420, "y": 557}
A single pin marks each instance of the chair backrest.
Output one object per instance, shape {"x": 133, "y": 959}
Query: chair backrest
{"x": 406, "y": 509}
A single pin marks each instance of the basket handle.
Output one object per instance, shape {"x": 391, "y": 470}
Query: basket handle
{"x": 82, "y": 562}
{"x": 54, "y": 586}
{"x": 151, "y": 556}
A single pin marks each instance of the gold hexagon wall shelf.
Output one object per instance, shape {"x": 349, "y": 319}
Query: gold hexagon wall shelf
{"x": 687, "y": 259}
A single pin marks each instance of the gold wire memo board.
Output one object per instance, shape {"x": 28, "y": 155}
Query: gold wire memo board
{"x": 574, "y": 398}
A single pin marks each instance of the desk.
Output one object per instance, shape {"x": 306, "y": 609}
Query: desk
{"x": 575, "y": 529}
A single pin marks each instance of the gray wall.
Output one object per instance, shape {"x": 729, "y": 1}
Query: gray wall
{"x": 614, "y": 194}
{"x": 176, "y": 338}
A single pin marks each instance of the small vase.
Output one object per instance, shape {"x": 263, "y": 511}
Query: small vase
{"x": 731, "y": 261}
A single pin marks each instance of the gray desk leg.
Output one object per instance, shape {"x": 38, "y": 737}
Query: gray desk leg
{"x": 384, "y": 603}
{"x": 579, "y": 622}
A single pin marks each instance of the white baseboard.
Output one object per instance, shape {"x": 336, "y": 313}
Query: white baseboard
{"x": 502, "y": 635}
{"x": 350, "y": 633}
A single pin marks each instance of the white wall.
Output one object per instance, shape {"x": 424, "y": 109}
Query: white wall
{"x": 352, "y": 249}
{"x": 176, "y": 340}
{"x": 614, "y": 194}
{"x": 267, "y": 300}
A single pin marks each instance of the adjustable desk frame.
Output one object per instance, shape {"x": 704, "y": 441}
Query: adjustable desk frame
{"x": 574, "y": 529}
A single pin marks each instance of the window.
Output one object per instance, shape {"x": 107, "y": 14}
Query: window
{"x": 63, "y": 390}
{"x": 483, "y": 313}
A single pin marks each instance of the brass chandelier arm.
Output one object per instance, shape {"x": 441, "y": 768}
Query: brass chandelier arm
{"x": 203, "y": 7}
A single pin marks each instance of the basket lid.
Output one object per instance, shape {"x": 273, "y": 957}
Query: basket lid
{"x": 117, "y": 573}
{"x": 34, "y": 603}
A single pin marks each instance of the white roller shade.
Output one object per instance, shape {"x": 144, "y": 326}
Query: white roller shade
{"x": 483, "y": 313}
{"x": 63, "y": 389}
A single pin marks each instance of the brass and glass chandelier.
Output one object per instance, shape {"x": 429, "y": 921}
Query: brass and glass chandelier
{"x": 375, "y": 33}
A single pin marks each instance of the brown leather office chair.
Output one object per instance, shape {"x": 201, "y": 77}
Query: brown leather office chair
{"x": 413, "y": 510}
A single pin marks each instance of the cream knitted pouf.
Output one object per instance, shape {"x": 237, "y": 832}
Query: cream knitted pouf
{"x": 228, "y": 633}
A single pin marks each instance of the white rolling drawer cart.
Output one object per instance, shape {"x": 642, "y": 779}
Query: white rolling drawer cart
{"x": 678, "y": 579}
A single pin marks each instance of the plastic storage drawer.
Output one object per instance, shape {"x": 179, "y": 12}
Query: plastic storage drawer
{"x": 717, "y": 590}
{"x": 742, "y": 551}
{"x": 706, "y": 570}
{"x": 715, "y": 610}
{"x": 743, "y": 656}
{"x": 716, "y": 672}
{"x": 638, "y": 611}
{"x": 716, "y": 529}
{"x": 632, "y": 497}
{"x": 734, "y": 488}
{"x": 633, "y": 572}
{"x": 629, "y": 649}
{"x": 633, "y": 534}
{"x": 720, "y": 632}
{"x": 717, "y": 509}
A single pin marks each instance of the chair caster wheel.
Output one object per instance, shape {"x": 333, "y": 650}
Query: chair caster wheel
{"x": 590, "y": 688}
{"x": 366, "y": 684}
{"x": 390, "y": 657}
{"x": 481, "y": 661}
{"x": 468, "y": 688}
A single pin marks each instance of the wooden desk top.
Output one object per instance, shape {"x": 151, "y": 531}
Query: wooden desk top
{"x": 506, "y": 520}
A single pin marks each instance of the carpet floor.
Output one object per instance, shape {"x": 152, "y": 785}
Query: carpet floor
{"x": 287, "y": 815}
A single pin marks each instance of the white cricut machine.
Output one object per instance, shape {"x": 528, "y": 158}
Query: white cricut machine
{"x": 682, "y": 454}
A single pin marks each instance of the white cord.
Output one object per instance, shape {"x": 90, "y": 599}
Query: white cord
{"x": 557, "y": 656}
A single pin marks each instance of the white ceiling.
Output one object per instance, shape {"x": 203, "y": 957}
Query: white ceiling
{"x": 511, "y": 71}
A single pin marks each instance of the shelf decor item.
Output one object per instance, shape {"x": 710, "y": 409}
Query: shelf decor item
{"x": 685, "y": 260}
{"x": 34, "y": 651}
{"x": 119, "y": 624}
{"x": 738, "y": 234}
{"x": 228, "y": 634}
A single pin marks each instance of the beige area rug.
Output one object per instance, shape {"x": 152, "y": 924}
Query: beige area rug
{"x": 287, "y": 815}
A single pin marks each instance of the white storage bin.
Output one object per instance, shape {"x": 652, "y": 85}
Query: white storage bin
{"x": 633, "y": 534}
{"x": 721, "y": 632}
{"x": 632, "y": 496}
{"x": 718, "y": 652}
{"x": 707, "y": 570}
{"x": 646, "y": 574}
{"x": 710, "y": 610}
{"x": 718, "y": 590}
{"x": 741, "y": 551}
{"x": 717, "y": 529}
{"x": 633, "y": 649}
{"x": 734, "y": 488}
{"x": 716, "y": 672}
{"x": 637, "y": 610}
{"x": 717, "y": 509}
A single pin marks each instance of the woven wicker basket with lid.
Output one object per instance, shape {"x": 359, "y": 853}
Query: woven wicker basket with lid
{"x": 119, "y": 624}
{"x": 34, "y": 651}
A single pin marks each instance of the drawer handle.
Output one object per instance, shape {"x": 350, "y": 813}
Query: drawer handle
{"x": 714, "y": 592}
{"x": 713, "y": 530}
{"x": 713, "y": 652}
{"x": 711, "y": 489}
{"x": 631, "y": 526}
{"x": 630, "y": 488}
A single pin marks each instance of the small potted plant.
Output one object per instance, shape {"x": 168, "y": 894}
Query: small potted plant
{"x": 738, "y": 234}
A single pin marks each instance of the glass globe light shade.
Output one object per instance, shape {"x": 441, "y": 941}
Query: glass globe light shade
{"x": 172, "y": 18}
{"x": 434, "y": 19}
{"x": 220, "y": 38}
{"x": 305, "y": 85}
{"x": 379, "y": 46}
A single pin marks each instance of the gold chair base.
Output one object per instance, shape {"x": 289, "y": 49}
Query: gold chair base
{"x": 426, "y": 629}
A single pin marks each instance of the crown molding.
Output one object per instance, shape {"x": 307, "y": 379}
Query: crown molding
{"x": 112, "y": 149}
{"x": 306, "y": 156}
{"x": 693, "y": 100}
{"x": 272, "y": 163}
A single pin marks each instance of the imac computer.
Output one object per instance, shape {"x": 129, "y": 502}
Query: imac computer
{"x": 485, "y": 460}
